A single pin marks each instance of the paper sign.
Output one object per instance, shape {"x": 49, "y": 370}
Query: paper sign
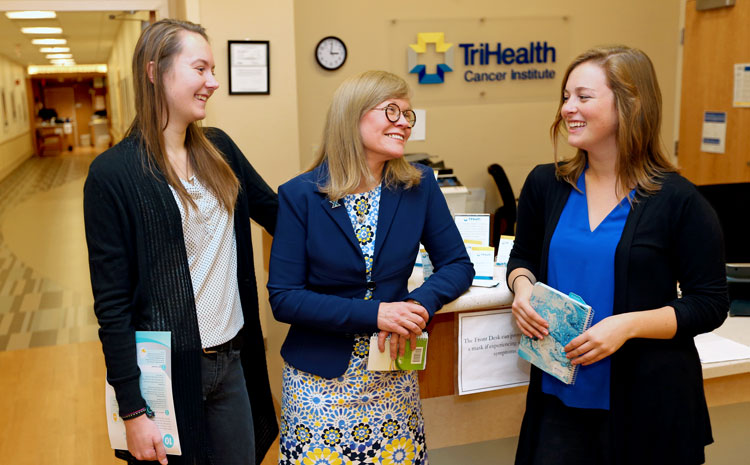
{"x": 474, "y": 227}
{"x": 714, "y": 135}
{"x": 488, "y": 352}
{"x": 419, "y": 131}
{"x": 503, "y": 250}
{"x": 154, "y": 349}
{"x": 484, "y": 262}
{"x": 741, "y": 85}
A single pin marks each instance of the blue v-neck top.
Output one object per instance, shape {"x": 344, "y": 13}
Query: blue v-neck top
{"x": 583, "y": 261}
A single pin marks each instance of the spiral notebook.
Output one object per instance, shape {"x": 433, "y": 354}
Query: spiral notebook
{"x": 568, "y": 316}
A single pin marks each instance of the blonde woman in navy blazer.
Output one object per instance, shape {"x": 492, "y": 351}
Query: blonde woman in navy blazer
{"x": 336, "y": 292}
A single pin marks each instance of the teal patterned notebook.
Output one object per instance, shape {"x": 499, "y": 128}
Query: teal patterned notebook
{"x": 568, "y": 316}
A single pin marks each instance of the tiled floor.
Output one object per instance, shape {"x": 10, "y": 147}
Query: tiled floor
{"x": 36, "y": 309}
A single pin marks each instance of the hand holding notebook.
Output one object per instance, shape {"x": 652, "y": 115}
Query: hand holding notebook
{"x": 568, "y": 316}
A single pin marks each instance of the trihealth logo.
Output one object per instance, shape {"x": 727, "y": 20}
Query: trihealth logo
{"x": 495, "y": 62}
{"x": 437, "y": 38}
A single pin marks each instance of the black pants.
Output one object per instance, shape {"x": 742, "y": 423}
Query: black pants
{"x": 572, "y": 436}
{"x": 229, "y": 417}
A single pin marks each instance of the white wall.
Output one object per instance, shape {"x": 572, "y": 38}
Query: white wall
{"x": 15, "y": 135}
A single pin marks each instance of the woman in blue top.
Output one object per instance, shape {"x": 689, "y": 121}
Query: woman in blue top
{"x": 347, "y": 235}
{"x": 618, "y": 226}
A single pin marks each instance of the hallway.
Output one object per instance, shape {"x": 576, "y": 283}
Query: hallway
{"x": 45, "y": 296}
{"x": 52, "y": 383}
{"x": 48, "y": 333}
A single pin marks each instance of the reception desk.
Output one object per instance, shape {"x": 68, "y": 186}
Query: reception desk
{"x": 452, "y": 420}
{"x": 52, "y": 139}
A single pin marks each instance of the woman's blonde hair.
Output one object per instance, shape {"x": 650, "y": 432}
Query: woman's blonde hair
{"x": 159, "y": 44}
{"x": 641, "y": 162}
{"x": 342, "y": 146}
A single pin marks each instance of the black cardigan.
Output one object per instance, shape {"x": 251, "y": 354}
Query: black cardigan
{"x": 141, "y": 281}
{"x": 658, "y": 411}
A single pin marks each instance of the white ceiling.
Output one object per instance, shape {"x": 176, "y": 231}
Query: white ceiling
{"x": 90, "y": 35}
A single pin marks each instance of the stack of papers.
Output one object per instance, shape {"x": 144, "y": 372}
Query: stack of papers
{"x": 713, "y": 348}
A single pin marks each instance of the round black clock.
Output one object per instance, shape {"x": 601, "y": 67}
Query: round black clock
{"x": 330, "y": 53}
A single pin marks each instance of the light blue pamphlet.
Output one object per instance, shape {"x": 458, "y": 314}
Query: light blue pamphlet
{"x": 154, "y": 356}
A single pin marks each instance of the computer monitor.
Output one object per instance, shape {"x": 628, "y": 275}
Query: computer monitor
{"x": 731, "y": 203}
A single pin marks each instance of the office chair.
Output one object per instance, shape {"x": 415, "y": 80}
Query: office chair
{"x": 505, "y": 216}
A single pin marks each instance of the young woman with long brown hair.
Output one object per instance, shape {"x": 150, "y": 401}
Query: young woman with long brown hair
{"x": 618, "y": 226}
{"x": 167, "y": 224}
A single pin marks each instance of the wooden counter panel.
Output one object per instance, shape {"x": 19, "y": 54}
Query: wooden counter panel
{"x": 439, "y": 378}
{"x": 727, "y": 390}
{"x": 457, "y": 420}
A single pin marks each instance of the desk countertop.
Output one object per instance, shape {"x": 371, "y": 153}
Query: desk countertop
{"x": 477, "y": 298}
{"x": 736, "y": 328}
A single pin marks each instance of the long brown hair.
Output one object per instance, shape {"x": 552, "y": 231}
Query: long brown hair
{"x": 342, "y": 145}
{"x": 159, "y": 44}
{"x": 641, "y": 163}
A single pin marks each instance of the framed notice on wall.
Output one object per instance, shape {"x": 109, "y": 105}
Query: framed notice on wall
{"x": 249, "y": 67}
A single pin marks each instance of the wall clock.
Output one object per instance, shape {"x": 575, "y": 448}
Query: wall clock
{"x": 330, "y": 53}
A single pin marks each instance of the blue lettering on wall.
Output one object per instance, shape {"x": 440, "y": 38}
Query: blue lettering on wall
{"x": 484, "y": 53}
{"x": 529, "y": 74}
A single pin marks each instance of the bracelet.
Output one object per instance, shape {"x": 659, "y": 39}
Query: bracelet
{"x": 141, "y": 411}
{"x": 513, "y": 283}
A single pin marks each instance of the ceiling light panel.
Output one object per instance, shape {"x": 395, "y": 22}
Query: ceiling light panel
{"x": 49, "y": 41}
{"x": 41, "y": 30}
{"x": 59, "y": 55}
{"x": 54, "y": 49}
{"x": 30, "y": 14}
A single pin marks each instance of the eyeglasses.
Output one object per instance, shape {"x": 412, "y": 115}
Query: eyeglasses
{"x": 393, "y": 113}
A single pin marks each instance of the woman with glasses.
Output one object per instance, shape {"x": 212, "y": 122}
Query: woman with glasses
{"x": 347, "y": 236}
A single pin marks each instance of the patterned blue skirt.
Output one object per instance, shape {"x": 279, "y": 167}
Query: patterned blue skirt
{"x": 372, "y": 417}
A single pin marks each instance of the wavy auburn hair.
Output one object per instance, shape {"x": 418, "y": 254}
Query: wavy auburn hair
{"x": 641, "y": 163}
{"x": 342, "y": 145}
{"x": 159, "y": 44}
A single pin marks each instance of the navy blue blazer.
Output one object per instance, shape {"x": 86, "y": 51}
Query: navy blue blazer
{"x": 317, "y": 280}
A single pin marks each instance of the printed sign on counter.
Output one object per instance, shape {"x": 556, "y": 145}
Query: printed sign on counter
{"x": 488, "y": 352}
{"x": 474, "y": 227}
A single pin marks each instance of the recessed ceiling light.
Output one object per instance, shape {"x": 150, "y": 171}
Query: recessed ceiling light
{"x": 63, "y": 62}
{"x": 53, "y": 69}
{"x": 30, "y": 14}
{"x": 41, "y": 30}
{"x": 49, "y": 41}
{"x": 59, "y": 55}
{"x": 54, "y": 49}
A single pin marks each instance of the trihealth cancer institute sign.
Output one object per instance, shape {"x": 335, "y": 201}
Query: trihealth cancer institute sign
{"x": 502, "y": 59}
{"x": 479, "y": 55}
